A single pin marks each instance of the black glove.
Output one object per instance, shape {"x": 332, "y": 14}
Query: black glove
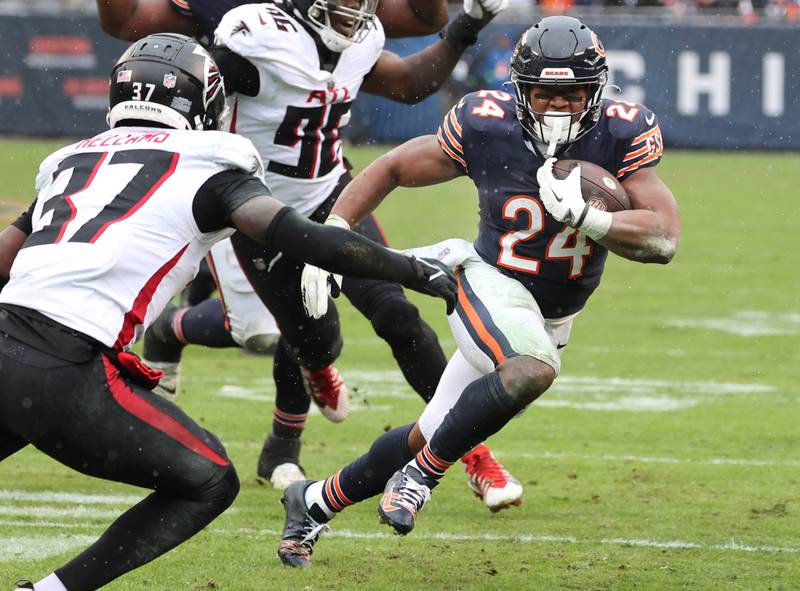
{"x": 435, "y": 279}
{"x": 462, "y": 31}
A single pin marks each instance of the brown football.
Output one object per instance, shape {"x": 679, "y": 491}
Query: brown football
{"x": 599, "y": 187}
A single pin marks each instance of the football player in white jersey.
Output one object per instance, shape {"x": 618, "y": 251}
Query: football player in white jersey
{"x": 296, "y": 66}
{"x": 120, "y": 224}
{"x": 242, "y": 319}
{"x": 134, "y": 19}
{"x": 238, "y": 318}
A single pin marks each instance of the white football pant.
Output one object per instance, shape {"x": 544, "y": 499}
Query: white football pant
{"x": 252, "y": 325}
{"x": 496, "y": 318}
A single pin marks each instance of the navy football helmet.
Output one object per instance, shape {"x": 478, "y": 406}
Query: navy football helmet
{"x": 317, "y": 15}
{"x": 558, "y": 50}
{"x": 168, "y": 79}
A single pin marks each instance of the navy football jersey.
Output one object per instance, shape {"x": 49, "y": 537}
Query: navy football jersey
{"x": 207, "y": 13}
{"x": 560, "y": 266}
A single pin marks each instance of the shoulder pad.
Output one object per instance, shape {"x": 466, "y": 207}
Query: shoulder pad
{"x": 256, "y": 30}
{"x": 475, "y": 117}
{"x": 482, "y": 108}
{"x": 49, "y": 164}
{"x": 235, "y": 151}
{"x": 628, "y": 120}
{"x": 637, "y": 135}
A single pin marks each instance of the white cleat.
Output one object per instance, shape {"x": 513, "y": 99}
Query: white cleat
{"x": 285, "y": 474}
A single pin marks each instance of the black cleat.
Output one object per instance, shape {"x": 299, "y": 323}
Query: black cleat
{"x": 302, "y": 528}
{"x": 279, "y": 462}
{"x": 404, "y": 496}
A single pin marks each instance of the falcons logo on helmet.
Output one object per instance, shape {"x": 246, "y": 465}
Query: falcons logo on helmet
{"x": 242, "y": 28}
{"x": 213, "y": 81}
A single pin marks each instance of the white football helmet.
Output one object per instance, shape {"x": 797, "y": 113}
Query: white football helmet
{"x": 322, "y": 16}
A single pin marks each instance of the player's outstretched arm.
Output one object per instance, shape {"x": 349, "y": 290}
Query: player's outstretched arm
{"x": 412, "y": 18}
{"x": 133, "y": 19}
{"x": 415, "y": 77}
{"x": 281, "y": 228}
{"x": 417, "y": 163}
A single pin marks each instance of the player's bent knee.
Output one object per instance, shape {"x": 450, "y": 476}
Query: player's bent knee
{"x": 526, "y": 378}
{"x": 260, "y": 344}
{"x": 316, "y": 354}
{"x": 396, "y": 319}
{"x": 223, "y": 490}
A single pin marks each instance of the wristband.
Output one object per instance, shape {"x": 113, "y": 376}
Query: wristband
{"x": 462, "y": 31}
{"x": 595, "y": 223}
{"x": 338, "y": 221}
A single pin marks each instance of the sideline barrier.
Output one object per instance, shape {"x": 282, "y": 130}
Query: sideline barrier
{"x": 712, "y": 87}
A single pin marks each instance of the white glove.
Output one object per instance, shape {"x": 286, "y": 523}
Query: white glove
{"x": 317, "y": 284}
{"x": 476, "y": 8}
{"x": 564, "y": 201}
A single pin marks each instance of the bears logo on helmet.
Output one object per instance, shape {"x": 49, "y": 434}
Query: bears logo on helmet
{"x": 558, "y": 50}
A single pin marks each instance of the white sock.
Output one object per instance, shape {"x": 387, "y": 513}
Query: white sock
{"x": 314, "y": 495}
{"x": 50, "y": 583}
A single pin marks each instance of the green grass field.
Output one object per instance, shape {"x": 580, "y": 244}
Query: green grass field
{"x": 665, "y": 457}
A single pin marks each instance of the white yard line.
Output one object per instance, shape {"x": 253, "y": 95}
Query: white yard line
{"x": 75, "y": 498}
{"x": 39, "y": 547}
{"x": 624, "y": 404}
{"x": 48, "y": 524}
{"x": 58, "y": 512}
{"x": 744, "y": 323}
{"x": 731, "y": 546}
{"x": 236, "y": 392}
{"x": 34, "y": 548}
{"x": 647, "y": 459}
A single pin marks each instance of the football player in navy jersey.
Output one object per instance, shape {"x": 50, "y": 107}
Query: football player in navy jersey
{"x": 538, "y": 257}
{"x": 296, "y": 66}
{"x": 163, "y": 183}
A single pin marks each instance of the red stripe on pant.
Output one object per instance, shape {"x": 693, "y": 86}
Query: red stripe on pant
{"x": 143, "y": 410}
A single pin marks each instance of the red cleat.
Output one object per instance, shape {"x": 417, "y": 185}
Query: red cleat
{"x": 328, "y": 390}
{"x": 490, "y": 480}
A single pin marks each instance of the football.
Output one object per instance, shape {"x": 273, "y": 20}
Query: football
{"x": 599, "y": 187}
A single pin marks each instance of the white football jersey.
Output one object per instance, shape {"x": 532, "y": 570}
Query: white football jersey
{"x": 114, "y": 235}
{"x": 296, "y": 118}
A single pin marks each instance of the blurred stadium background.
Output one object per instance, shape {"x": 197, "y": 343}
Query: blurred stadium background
{"x": 666, "y": 455}
{"x": 720, "y": 74}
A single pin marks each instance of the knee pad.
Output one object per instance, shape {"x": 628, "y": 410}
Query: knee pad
{"x": 396, "y": 319}
{"x": 261, "y": 344}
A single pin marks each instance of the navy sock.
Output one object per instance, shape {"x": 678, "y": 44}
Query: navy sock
{"x": 205, "y": 324}
{"x": 367, "y": 476}
{"x": 481, "y": 411}
{"x": 291, "y": 399}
